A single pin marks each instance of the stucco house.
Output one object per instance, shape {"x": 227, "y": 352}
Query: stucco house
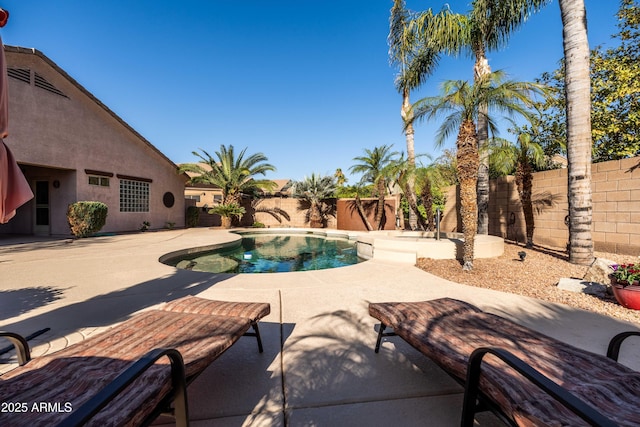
{"x": 71, "y": 147}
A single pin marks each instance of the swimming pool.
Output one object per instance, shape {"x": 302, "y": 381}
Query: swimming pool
{"x": 273, "y": 253}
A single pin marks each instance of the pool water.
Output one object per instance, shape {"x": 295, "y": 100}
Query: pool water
{"x": 274, "y": 253}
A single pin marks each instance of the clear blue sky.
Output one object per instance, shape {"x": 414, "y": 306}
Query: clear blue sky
{"x": 305, "y": 82}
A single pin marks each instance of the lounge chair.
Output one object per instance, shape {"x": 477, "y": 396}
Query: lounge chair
{"x": 525, "y": 377}
{"x": 121, "y": 376}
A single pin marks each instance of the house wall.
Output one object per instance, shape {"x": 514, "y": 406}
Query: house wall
{"x": 615, "y": 189}
{"x": 54, "y": 137}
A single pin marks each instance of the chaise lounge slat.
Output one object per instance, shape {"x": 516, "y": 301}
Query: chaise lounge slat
{"x": 448, "y": 331}
{"x": 75, "y": 374}
{"x": 254, "y": 311}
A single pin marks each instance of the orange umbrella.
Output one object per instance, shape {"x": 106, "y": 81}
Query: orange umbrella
{"x": 14, "y": 188}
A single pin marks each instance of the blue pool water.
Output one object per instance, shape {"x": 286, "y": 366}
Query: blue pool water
{"x": 274, "y": 253}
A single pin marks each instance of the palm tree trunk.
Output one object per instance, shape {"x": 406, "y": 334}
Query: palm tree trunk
{"x": 413, "y": 207}
{"x": 578, "y": 104}
{"x": 481, "y": 69}
{"x": 380, "y": 208}
{"x": 407, "y": 117}
{"x": 362, "y": 213}
{"x": 524, "y": 183}
{"x": 468, "y": 161}
{"x": 427, "y": 202}
{"x": 315, "y": 217}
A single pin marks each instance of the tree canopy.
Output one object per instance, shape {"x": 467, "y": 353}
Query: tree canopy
{"x": 615, "y": 95}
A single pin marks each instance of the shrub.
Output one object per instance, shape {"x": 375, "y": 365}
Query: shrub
{"x": 86, "y": 218}
{"x": 229, "y": 210}
{"x": 193, "y": 216}
{"x": 258, "y": 225}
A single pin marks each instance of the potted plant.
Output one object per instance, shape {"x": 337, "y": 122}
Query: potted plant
{"x": 227, "y": 212}
{"x": 625, "y": 282}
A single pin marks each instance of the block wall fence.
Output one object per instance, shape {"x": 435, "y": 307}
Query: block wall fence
{"x": 616, "y": 208}
{"x": 346, "y": 218}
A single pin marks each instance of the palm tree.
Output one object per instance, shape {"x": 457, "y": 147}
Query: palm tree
{"x": 523, "y": 156}
{"x": 234, "y": 175}
{"x": 373, "y": 167}
{"x": 429, "y": 180}
{"x": 416, "y": 56}
{"x": 464, "y": 103}
{"x": 360, "y": 208}
{"x": 404, "y": 172}
{"x": 578, "y": 105}
{"x": 488, "y": 26}
{"x": 313, "y": 190}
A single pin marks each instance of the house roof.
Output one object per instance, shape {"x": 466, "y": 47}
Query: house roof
{"x": 48, "y": 61}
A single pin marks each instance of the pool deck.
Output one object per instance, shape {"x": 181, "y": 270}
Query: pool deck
{"x": 318, "y": 367}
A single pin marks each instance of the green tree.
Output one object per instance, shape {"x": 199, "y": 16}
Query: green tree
{"x": 233, "y": 175}
{"x": 462, "y": 103}
{"x": 374, "y": 169}
{"x": 577, "y": 93}
{"x": 341, "y": 180}
{"x": 615, "y": 95}
{"x": 313, "y": 190}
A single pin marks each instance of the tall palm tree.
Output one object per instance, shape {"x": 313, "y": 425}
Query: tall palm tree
{"x": 313, "y": 190}
{"x": 416, "y": 55}
{"x": 578, "y": 105}
{"x": 464, "y": 103}
{"x": 492, "y": 22}
{"x": 234, "y": 175}
{"x": 523, "y": 156}
{"x": 488, "y": 26}
{"x": 373, "y": 167}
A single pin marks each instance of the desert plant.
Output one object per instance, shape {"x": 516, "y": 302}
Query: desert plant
{"x": 86, "y": 218}
{"x": 234, "y": 174}
{"x": 227, "y": 212}
{"x": 312, "y": 191}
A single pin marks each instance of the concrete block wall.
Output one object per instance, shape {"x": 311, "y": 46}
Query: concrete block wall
{"x": 616, "y": 207}
{"x": 291, "y": 207}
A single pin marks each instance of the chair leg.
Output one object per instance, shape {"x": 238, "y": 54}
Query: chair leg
{"x": 380, "y": 335}
{"x": 255, "y": 333}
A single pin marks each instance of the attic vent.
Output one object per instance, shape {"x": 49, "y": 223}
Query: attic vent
{"x": 43, "y": 84}
{"x": 22, "y": 74}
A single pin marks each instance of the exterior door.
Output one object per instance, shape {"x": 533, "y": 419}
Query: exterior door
{"x": 41, "y": 226}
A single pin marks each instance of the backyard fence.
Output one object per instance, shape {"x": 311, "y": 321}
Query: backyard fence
{"x": 615, "y": 189}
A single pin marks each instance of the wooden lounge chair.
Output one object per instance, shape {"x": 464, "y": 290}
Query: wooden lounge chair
{"x": 525, "y": 377}
{"x": 121, "y": 376}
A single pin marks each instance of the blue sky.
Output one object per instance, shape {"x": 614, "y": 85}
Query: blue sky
{"x": 306, "y": 82}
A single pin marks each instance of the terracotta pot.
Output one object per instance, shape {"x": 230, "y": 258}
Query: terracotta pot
{"x": 627, "y": 296}
{"x": 225, "y": 221}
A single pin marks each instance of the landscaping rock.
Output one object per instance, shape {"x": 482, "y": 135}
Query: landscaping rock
{"x": 583, "y": 286}
{"x": 599, "y": 271}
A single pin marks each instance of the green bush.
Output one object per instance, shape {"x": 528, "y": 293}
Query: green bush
{"x": 258, "y": 224}
{"x": 193, "y": 216}
{"x": 229, "y": 210}
{"x": 86, "y": 218}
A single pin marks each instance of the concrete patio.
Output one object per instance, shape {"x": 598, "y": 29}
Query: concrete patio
{"x": 318, "y": 367}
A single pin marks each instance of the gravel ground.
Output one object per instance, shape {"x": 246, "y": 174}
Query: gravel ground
{"x": 536, "y": 277}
